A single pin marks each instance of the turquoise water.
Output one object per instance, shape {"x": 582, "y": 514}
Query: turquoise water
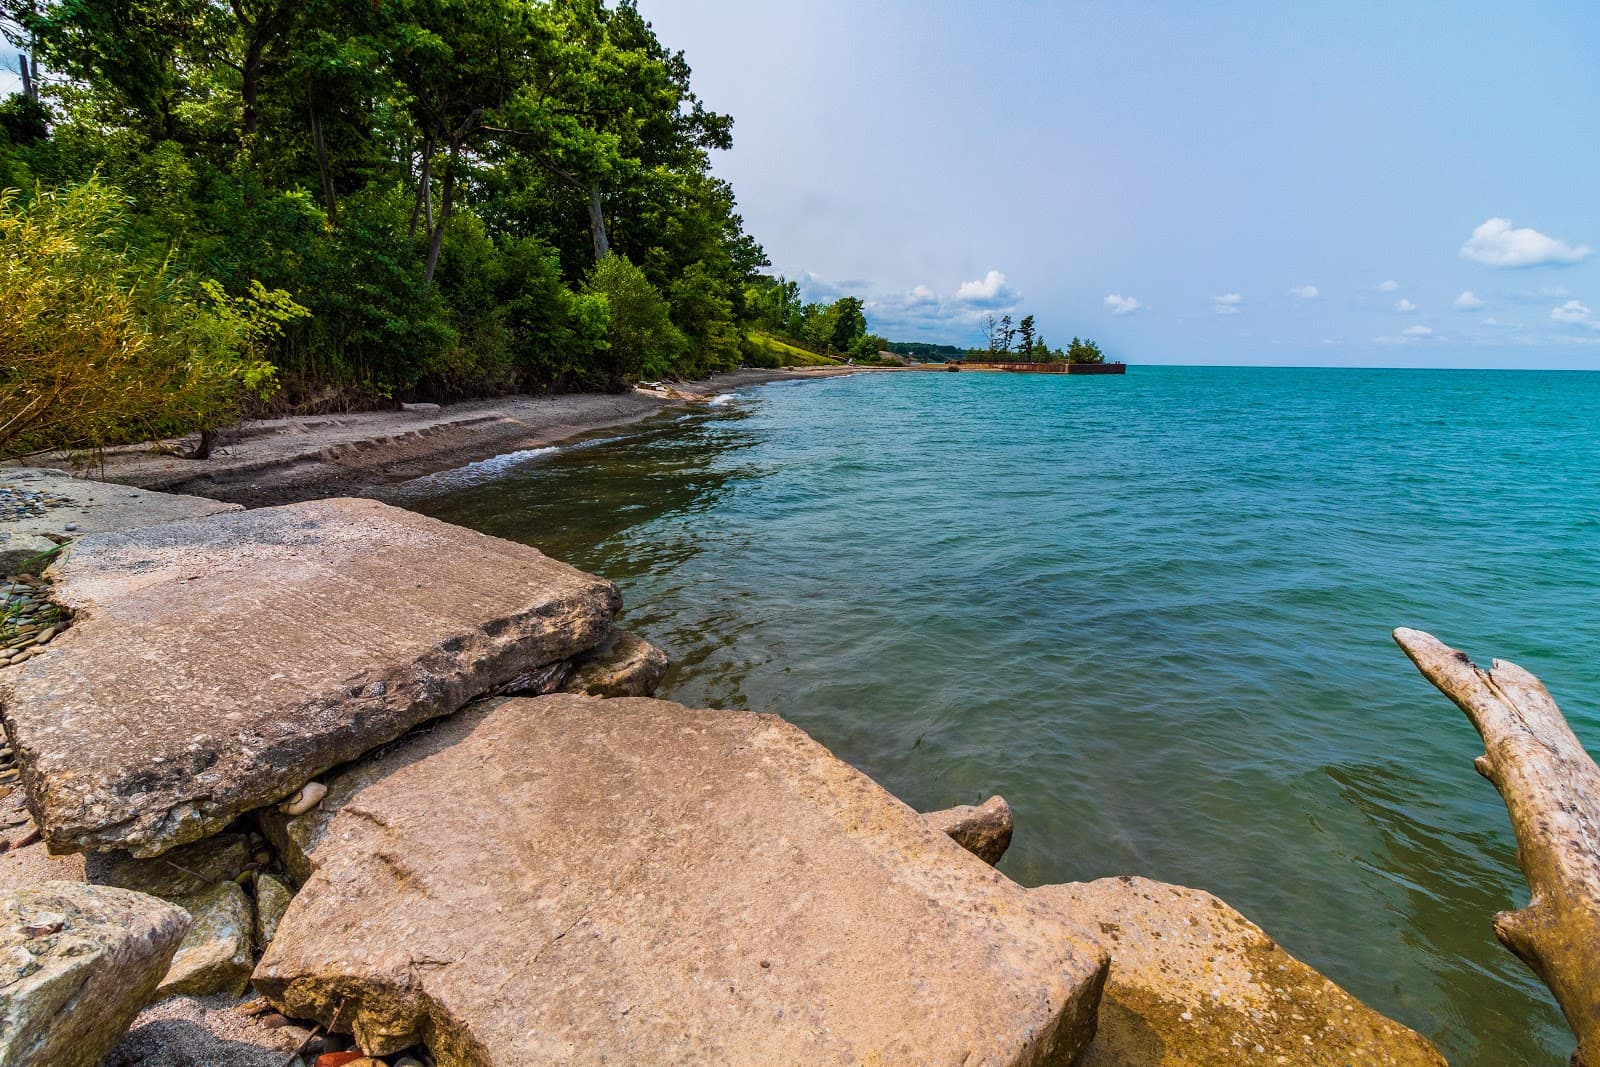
{"x": 1153, "y": 612}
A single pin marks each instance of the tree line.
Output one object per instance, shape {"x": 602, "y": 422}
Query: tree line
{"x": 347, "y": 202}
{"x": 1020, "y": 341}
{"x": 838, "y": 328}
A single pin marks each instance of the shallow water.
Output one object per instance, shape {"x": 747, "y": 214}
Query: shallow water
{"x": 1152, "y": 611}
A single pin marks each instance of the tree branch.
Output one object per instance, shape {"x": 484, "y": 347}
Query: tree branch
{"x": 1551, "y": 789}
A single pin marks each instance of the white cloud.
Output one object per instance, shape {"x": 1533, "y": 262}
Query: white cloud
{"x": 1418, "y": 330}
{"x": 1502, "y": 325}
{"x": 1121, "y": 305}
{"x": 1496, "y": 244}
{"x": 990, "y": 291}
{"x": 1571, "y": 311}
{"x": 1467, "y": 301}
{"x": 1305, "y": 292}
{"x": 1389, "y": 286}
{"x": 1227, "y": 303}
{"x": 1404, "y": 306}
{"x": 921, "y": 296}
{"x": 1556, "y": 292}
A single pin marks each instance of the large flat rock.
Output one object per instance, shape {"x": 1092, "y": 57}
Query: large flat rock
{"x": 215, "y": 666}
{"x": 37, "y": 501}
{"x": 1194, "y": 984}
{"x": 575, "y": 880}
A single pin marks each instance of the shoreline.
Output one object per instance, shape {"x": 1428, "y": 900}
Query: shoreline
{"x": 266, "y": 462}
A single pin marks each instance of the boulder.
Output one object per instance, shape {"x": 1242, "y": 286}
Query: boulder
{"x": 624, "y": 665}
{"x": 215, "y": 666}
{"x": 566, "y": 879}
{"x": 982, "y": 829}
{"x": 215, "y": 956}
{"x": 79, "y": 961}
{"x": 1195, "y": 983}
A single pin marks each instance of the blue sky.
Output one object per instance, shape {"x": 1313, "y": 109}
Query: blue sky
{"x": 1359, "y": 183}
{"x": 1356, "y": 183}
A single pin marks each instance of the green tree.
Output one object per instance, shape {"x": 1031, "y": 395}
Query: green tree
{"x": 642, "y": 339}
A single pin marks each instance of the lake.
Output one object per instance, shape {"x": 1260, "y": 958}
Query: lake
{"x": 1152, "y": 611}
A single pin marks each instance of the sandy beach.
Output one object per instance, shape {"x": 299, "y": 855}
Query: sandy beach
{"x": 278, "y": 461}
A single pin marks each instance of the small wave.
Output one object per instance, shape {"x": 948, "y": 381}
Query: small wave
{"x": 480, "y": 471}
{"x": 722, "y": 399}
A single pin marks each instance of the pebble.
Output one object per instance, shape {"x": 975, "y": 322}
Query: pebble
{"x": 309, "y": 796}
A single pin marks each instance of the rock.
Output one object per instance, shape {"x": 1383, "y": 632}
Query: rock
{"x": 633, "y": 881}
{"x": 272, "y": 900}
{"x": 624, "y": 665}
{"x": 79, "y": 961}
{"x": 309, "y": 796}
{"x": 983, "y": 830}
{"x": 215, "y": 956}
{"x": 426, "y": 409}
{"x": 215, "y": 666}
{"x": 1195, "y": 983}
{"x": 23, "y": 553}
{"x": 45, "y": 502}
{"x": 185, "y": 872}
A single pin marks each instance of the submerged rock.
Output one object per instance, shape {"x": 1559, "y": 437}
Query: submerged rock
{"x": 624, "y": 665}
{"x": 79, "y": 961}
{"x": 216, "y": 666}
{"x": 1194, "y": 983}
{"x": 982, "y": 829}
{"x": 633, "y": 881}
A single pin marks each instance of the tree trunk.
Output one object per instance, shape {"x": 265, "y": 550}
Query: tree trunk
{"x": 1551, "y": 790}
{"x": 597, "y": 223}
{"x": 329, "y": 201}
{"x": 208, "y": 441}
{"x": 436, "y": 231}
{"x": 424, "y": 188}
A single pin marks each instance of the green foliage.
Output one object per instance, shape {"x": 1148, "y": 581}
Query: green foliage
{"x": 642, "y": 339}
{"x": 1084, "y": 351}
{"x": 102, "y": 342}
{"x": 429, "y": 179}
{"x": 866, "y": 346}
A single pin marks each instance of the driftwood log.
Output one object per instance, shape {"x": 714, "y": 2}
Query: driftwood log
{"x": 1551, "y": 789}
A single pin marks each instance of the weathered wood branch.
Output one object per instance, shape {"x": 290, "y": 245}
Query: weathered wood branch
{"x": 1551, "y": 789}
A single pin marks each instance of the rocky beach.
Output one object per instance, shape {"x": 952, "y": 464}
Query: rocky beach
{"x": 333, "y": 783}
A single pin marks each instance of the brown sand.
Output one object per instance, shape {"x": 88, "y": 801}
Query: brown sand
{"x": 279, "y": 461}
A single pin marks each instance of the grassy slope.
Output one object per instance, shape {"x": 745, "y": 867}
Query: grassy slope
{"x": 787, "y": 354}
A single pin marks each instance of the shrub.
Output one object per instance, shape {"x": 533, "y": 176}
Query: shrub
{"x": 101, "y": 343}
{"x": 643, "y": 340}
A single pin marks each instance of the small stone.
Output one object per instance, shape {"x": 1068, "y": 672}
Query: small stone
{"x": 309, "y": 796}
{"x": 273, "y": 1021}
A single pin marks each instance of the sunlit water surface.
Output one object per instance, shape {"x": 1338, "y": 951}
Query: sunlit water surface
{"x": 1152, "y": 611}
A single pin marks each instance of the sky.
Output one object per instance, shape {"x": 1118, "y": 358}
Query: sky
{"x": 1391, "y": 184}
